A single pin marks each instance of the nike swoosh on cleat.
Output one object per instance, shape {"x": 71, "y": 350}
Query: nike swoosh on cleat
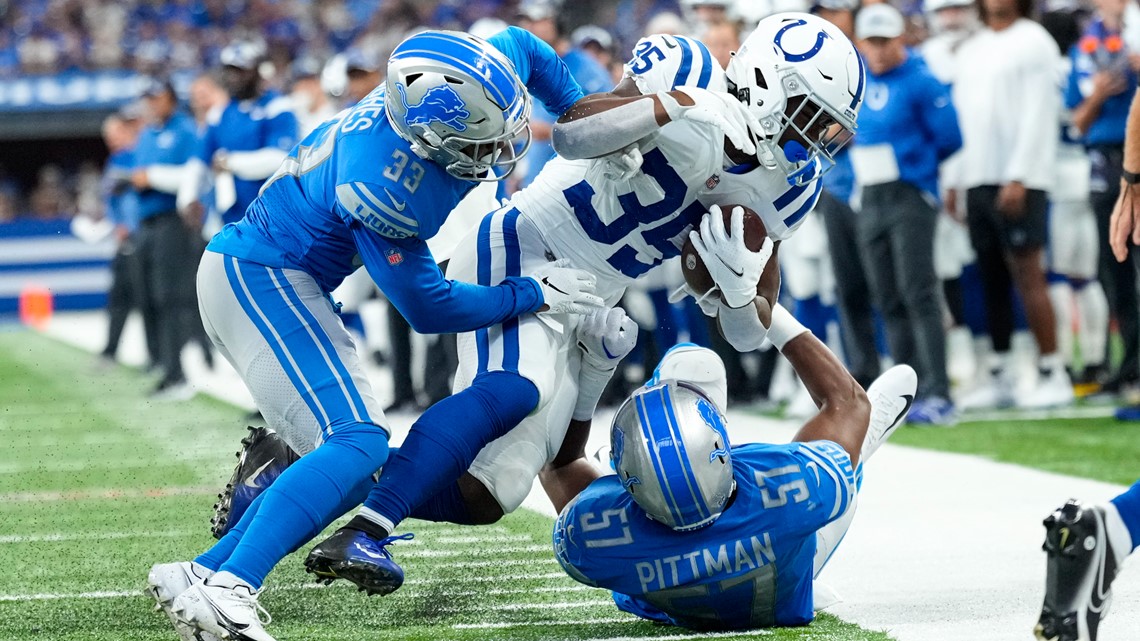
{"x": 249, "y": 482}
{"x": 906, "y": 408}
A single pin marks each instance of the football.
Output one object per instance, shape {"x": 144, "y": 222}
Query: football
{"x": 697, "y": 275}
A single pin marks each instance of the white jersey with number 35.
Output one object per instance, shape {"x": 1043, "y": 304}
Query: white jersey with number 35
{"x": 621, "y": 229}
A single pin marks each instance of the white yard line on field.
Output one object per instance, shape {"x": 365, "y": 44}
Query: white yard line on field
{"x": 82, "y": 495}
{"x": 531, "y": 624}
{"x": 703, "y": 635}
{"x": 91, "y": 536}
{"x": 444, "y": 554}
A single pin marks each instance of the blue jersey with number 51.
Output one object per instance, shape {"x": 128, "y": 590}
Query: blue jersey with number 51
{"x": 353, "y": 193}
{"x": 753, "y": 567}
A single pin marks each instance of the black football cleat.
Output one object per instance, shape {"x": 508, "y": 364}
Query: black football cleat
{"x": 1080, "y": 567}
{"x": 358, "y": 558}
{"x": 263, "y": 457}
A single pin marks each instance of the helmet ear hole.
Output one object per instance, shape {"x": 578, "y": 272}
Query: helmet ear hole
{"x": 760, "y": 81}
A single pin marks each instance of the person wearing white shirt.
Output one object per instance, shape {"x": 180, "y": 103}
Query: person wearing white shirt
{"x": 1009, "y": 107}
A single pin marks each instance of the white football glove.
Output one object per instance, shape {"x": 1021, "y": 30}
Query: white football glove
{"x": 623, "y": 164}
{"x": 605, "y": 336}
{"x": 735, "y": 270}
{"x": 566, "y": 290}
{"x": 720, "y": 109}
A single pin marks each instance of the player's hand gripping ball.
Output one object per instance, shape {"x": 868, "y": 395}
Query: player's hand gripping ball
{"x": 735, "y": 268}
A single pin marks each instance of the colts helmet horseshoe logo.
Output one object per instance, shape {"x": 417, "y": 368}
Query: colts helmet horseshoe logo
{"x": 820, "y": 38}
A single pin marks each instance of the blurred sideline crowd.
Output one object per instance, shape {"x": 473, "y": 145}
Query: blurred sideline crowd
{"x": 964, "y": 230}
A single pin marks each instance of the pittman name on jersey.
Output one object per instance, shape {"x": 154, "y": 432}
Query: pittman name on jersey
{"x": 732, "y": 557}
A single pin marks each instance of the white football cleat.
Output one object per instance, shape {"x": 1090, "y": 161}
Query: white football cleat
{"x": 166, "y": 581}
{"x": 1054, "y": 389}
{"x": 224, "y": 606}
{"x": 891, "y": 396}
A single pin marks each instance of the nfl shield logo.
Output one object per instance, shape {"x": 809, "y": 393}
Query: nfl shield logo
{"x": 394, "y": 257}
{"x": 712, "y": 182}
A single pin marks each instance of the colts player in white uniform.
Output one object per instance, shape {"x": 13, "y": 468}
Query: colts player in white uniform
{"x": 800, "y": 80}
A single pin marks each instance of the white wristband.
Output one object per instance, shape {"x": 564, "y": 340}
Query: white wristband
{"x": 591, "y": 383}
{"x": 784, "y": 327}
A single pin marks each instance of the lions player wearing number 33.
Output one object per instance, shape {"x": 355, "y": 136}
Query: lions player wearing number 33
{"x": 684, "y": 136}
{"x": 368, "y": 188}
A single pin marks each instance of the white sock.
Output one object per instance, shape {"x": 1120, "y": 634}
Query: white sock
{"x": 1050, "y": 362}
{"x": 229, "y": 579}
{"x": 1061, "y": 296}
{"x": 1117, "y": 533}
{"x": 377, "y": 518}
{"x": 1093, "y": 334}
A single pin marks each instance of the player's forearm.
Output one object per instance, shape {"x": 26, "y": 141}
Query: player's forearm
{"x": 564, "y": 483}
{"x": 166, "y": 178}
{"x": 255, "y": 165}
{"x": 824, "y": 376}
{"x": 1132, "y": 136}
{"x": 1086, "y": 113}
{"x": 602, "y": 124}
{"x": 193, "y": 178}
{"x": 454, "y": 307}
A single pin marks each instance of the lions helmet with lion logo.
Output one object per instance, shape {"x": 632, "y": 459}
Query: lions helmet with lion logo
{"x": 460, "y": 103}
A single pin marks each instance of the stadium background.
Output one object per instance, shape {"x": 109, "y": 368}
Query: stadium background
{"x": 946, "y": 547}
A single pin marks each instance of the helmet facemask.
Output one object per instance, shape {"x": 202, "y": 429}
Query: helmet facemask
{"x": 488, "y": 160}
{"x": 803, "y": 134}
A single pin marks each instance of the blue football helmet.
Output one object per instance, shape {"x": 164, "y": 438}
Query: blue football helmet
{"x": 460, "y": 102}
{"x": 670, "y": 450}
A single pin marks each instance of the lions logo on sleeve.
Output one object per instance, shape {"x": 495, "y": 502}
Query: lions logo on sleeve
{"x": 663, "y": 62}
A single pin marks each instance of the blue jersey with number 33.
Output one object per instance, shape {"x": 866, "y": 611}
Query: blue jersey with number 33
{"x": 353, "y": 193}
{"x": 753, "y": 567}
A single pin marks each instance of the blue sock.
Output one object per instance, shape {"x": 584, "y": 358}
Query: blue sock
{"x": 445, "y": 440}
{"x": 445, "y": 506}
{"x": 217, "y": 555}
{"x": 1128, "y": 504}
{"x": 306, "y": 498}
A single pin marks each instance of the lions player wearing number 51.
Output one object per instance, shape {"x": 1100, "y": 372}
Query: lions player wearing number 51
{"x": 685, "y": 136}
{"x": 368, "y": 187}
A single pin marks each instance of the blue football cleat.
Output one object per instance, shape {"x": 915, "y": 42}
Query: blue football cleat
{"x": 358, "y": 558}
{"x": 263, "y": 457}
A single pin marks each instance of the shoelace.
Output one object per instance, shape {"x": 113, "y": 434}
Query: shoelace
{"x": 250, "y": 600}
{"x": 396, "y": 537}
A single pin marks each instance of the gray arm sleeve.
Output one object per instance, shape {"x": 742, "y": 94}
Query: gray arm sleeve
{"x": 606, "y": 131}
{"x": 741, "y": 327}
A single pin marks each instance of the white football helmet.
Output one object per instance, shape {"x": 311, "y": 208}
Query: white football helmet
{"x": 460, "y": 103}
{"x": 801, "y": 77}
{"x": 670, "y": 449}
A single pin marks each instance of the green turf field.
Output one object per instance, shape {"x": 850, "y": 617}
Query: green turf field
{"x": 1098, "y": 448}
{"x": 96, "y": 484}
